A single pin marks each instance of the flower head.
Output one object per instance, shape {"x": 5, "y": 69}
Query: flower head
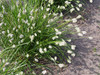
{"x": 61, "y": 65}
{"x": 51, "y": 1}
{"x": 32, "y": 37}
{"x": 41, "y": 50}
{"x": 91, "y": 1}
{"x": 73, "y": 47}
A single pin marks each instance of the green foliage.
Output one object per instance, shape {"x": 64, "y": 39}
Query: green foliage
{"x": 29, "y": 35}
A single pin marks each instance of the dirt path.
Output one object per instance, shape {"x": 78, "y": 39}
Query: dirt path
{"x": 87, "y": 61}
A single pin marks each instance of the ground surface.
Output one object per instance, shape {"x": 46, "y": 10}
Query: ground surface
{"x": 87, "y": 60}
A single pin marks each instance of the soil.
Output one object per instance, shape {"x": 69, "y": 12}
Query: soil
{"x": 87, "y": 60}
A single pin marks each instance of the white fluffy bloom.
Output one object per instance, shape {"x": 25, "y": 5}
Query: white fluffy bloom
{"x": 61, "y": 14}
{"x": 48, "y": 26}
{"x": 91, "y": 1}
{"x": 48, "y": 9}
{"x": 33, "y": 24}
{"x": 7, "y": 31}
{"x": 52, "y": 59}
{"x": 44, "y": 16}
{"x": 68, "y": 60}
{"x": 55, "y": 14}
{"x": 74, "y": 20}
{"x": 90, "y": 38}
{"x": 21, "y": 73}
{"x": 51, "y": 1}
{"x": 69, "y": 40}
{"x": 48, "y": 5}
{"x": 19, "y": 15}
{"x": 36, "y": 10}
{"x": 44, "y": 72}
{"x": 67, "y": 2}
{"x": 28, "y": 24}
{"x": 79, "y": 16}
{"x": 41, "y": 50}
{"x": 77, "y": 29}
{"x": 57, "y": 32}
{"x": 13, "y": 46}
{"x": 24, "y": 11}
{"x": 37, "y": 42}
{"x": 16, "y": 30}
{"x": 7, "y": 63}
{"x": 69, "y": 51}
{"x": 31, "y": 27}
{"x": 4, "y": 69}
{"x": 22, "y": 41}
{"x": 31, "y": 12}
{"x": 49, "y": 14}
{"x": 33, "y": 73}
{"x": 69, "y": 25}
{"x": 1, "y": 23}
{"x": 3, "y": 60}
{"x": 61, "y": 65}
{"x": 55, "y": 37}
{"x": 32, "y": 37}
{"x": 78, "y": 9}
{"x": 73, "y": 47}
{"x": 3, "y": 7}
{"x": 61, "y": 43}
{"x": 73, "y": 54}
{"x": 45, "y": 49}
{"x": 80, "y": 5}
{"x": 41, "y": 7}
{"x": 51, "y": 20}
{"x": 3, "y": 32}
{"x": 84, "y": 32}
{"x": 31, "y": 17}
{"x": 58, "y": 6}
{"x": 18, "y": 19}
{"x": 10, "y": 35}
{"x": 39, "y": 31}
{"x": 80, "y": 34}
{"x": 17, "y": 3}
{"x": 55, "y": 58}
{"x": 36, "y": 60}
{"x": 62, "y": 7}
{"x": 21, "y": 36}
{"x": 50, "y": 46}
{"x": 1, "y": 15}
{"x": 27, "y": 55}
{"x": 35, "y": 34}
{"x": 19, "y": 26}
{"x": 69, "y": 57}
{"x": 71, "y": 10}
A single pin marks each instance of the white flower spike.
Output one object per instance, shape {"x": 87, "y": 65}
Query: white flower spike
{"x": 44, "y": 72}
{"x": 32, "y": 37}
{"x": 61, "y": 65}
{"x": 91, "y": 1}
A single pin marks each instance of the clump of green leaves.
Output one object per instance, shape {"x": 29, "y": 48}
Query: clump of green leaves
{"x": 29, "y": 34}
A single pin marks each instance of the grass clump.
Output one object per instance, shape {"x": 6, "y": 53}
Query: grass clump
{"x": 30, "y": 37}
